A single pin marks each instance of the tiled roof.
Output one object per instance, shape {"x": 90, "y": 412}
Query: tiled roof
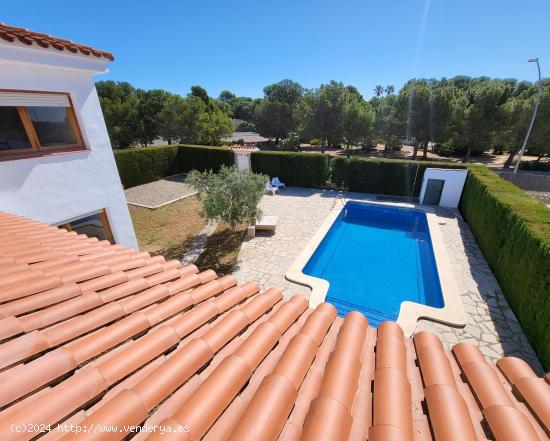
{"x": 25, "y": 36}
{"x": 98, "y": 336}
{"x": 245, "y": 150}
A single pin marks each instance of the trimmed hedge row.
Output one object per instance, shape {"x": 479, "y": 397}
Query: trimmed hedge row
{"x": 383, "y": 176}
{"x": 299, "y": 169}
{"x": 535, "y": 165}
{"x": 138, "y": 166}
{"x": 513, "y": 232}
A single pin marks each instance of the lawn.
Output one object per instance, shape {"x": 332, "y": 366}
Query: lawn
{"x": 168, "y": 230}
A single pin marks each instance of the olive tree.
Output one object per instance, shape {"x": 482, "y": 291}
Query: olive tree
{"x": 230, "y": 195}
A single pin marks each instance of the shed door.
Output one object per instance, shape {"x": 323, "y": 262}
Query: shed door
{"x": 434, "y": 188}
{"x": 243, "y": 161}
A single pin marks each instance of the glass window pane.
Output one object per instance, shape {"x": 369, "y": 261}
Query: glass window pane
{"x": 91, "y": 225}
{"x": 12, "y": 132}
{"x": 52, "y": 126}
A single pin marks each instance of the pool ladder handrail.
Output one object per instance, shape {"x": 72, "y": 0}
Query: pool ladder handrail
{"x": 339, "y": 197}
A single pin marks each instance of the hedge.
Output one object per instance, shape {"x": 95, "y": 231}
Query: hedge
{"x": 138, "y": 166}
{"x": 299, "y": 169}
{"x": 383, "y": 176}
{"x": 513, "y": 232}
{"x": 535, "y": 165}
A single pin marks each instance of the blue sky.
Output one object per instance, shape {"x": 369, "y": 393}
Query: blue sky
{"x": 244, "y": 45}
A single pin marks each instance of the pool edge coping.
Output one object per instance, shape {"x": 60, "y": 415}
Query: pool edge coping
{"x": 410, "y": 312}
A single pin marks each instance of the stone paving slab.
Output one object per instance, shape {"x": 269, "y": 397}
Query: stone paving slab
{"x": 491, "y": 324}
{"x": 159, "y": 193}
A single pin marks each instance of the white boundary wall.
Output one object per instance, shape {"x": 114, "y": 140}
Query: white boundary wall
{"x": 63, "y": 186}
{"x": 452, "y": 189}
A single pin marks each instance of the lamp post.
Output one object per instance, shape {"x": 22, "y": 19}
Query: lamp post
{"x": 537, "y": 99}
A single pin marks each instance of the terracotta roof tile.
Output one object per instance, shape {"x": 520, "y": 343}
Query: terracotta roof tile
{"x": 92, "y": 333}
{"x": 13, "y": 34}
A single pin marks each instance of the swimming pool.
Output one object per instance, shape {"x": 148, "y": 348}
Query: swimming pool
{"x": 375, "y": 257}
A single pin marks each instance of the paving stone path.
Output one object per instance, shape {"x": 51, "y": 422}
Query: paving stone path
{"x": 491, "y": 324}
{"x": 199, "y": 243}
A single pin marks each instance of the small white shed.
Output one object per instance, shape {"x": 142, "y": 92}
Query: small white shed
{"x": 442, "y": 186}
{"x": 242, "y": 157}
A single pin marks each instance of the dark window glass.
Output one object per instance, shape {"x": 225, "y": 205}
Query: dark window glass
{"x": 91, "y": 225}
{"x": 52, "y": 126}
{"x": 12, "y": 132}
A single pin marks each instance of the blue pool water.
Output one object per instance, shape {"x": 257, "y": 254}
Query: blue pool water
{"x": 376, "y": 257}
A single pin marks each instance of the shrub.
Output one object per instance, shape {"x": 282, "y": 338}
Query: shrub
{"x": 300, "y": 169}
{"x": 535, "y": 165}
{"x": 395, "y": 145}
{"x": 138, "y": 166}
{"x": 498, "y": 150}
{"x": 203, "y": 158}
{"x": 245, "y": 126}
{"x": 292, "y": 142}
{"x": 443, "y": 149}
{"x": 230, "y": 195}
{"x": 383, "y": 176}
{"x": 513, "y": 232}
{"x": 239, "y": 141}
{"x": 316, "y": 141}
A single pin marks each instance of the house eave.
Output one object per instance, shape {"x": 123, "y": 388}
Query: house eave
{"x": 23, "y": 54}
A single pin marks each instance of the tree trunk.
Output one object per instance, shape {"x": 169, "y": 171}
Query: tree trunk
{"x": 169, "y": 141}
{"x": 425, "y": 154}
{"x": 539, "y": 157}
{"x": 347, "y": 151}
{"x": 468, "y": 153}
{"x": 510, "y": 159}
{"x": 415, "y": 151}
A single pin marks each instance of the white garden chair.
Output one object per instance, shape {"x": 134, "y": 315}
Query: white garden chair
{"x": 276, "y": 183}
{"x": 270, "y": 188}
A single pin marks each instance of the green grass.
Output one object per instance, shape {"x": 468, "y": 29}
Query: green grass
{"x": 169, "y": 230}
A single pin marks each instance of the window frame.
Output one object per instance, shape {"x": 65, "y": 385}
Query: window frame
{"x": 36, "y": 149}
{"x": 103, "y": 217}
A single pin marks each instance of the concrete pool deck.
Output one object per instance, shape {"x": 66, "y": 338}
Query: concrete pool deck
{"x": 490, "y": 322}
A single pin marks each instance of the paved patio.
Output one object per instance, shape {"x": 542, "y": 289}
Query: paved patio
{"x": 491, "y": 324}
{"x": 159, "y": 193}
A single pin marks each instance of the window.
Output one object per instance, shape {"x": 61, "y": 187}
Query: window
{"x": 92, "y": 225}
{"x": 12, "y": 133}
{"x": 34, "y": 123}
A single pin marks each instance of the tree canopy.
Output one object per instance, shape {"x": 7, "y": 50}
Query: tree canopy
{"x": 276, "y": 115}
{"x": 136, "y": 116}
{"x": 456, "y": 116}
{"x": 230, "y": 195}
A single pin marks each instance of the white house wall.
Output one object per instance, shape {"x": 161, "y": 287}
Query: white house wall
{"x": 63, "y": 186}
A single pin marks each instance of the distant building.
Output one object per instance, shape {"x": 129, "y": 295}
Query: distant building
{"x": 56, "y": 160}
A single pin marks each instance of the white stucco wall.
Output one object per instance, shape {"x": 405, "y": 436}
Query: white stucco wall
{"x": 63, "y": 186}
{"x": 452, "y": 189}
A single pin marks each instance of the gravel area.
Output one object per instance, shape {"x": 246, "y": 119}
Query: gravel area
{"x": 158, "y": 193}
